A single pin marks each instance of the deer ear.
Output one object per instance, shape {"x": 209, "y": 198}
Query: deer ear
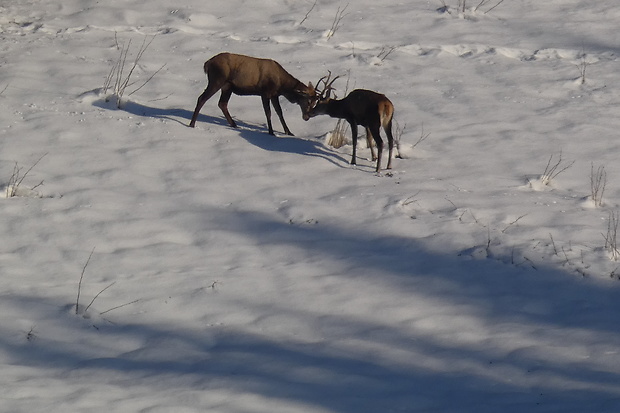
{"x": 301, "y": 91}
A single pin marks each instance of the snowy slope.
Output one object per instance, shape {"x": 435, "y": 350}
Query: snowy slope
{"x": 228, "y": 270}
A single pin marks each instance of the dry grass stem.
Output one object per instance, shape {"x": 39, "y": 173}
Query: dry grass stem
{"x": 611, "y": 238}
{"x": 340, "y": 14}
{"x": 17, "y": 177}
{"x": 77, "y": 301}
{"x": 598, "y": 181}
{"x": 553, "y": 170}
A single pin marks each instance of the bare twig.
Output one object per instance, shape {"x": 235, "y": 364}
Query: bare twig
{"x": 116, "y": 78}
{"x": 497, "y": 4}
{"x": 582, "y": 66}
{"x": 553, "y": 243}
{"x": 77, "y": 301}
{"x": 551, "y": 170}
{"x": 411, "y": 199}
{"x": 119, "y": 306}
{"x": 308, "y": 13}
{"x": 116, "y": 40}
{"x": 397, "y": 131}
{"x": 97, "y": 295}
{"x": 422, "y": 137}
{"x": 385, "y": 52}
{"x": 476, "y": 219}
{"x": 598, "y": 181}
{"x": 462, "y": 5}
{"x": 512, "y": 223}
{"x": 37, "y": 185}
{"x": 340, "y": 14}
{"x": 148, "y": 80}
{"x": 164, "y": 98}
{"x": 565, "y": 256}
{"x": 611, "y": 238}
{"x": 17, "y": 178}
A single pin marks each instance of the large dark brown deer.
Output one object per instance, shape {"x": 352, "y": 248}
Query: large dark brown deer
{"x": 245, "y": 75}
{"x": 360, "y": 107}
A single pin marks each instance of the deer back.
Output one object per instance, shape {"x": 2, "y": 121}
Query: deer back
{"x": 366, "y": 106}
{"x": 250, "y": 75}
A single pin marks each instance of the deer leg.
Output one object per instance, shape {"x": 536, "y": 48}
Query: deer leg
{"x": 379, "y": 142}
{"x": 206, "y": 95}
{"x": 223, "y": 104}
{"x": 354, "y": 139}
{"x": 267, "y": 109}
{"x": 370, "y": 144}
{"x": 388, "y": 132}
{"x": 275, "y": 101}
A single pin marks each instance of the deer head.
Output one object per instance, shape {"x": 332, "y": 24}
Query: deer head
{"x": 325, "y": 92}
{"x": 322, "y": 92}
{"x": 304, "y": 96}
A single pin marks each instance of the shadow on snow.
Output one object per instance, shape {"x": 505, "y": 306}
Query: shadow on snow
{"x": 255, "y": 134}
{"x": 435, "y": 375}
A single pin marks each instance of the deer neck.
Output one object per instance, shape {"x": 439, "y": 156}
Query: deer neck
{"x": 335, "y": 108}
{"x": 293, "y": 90}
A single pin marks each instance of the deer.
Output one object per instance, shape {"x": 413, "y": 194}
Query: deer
{"x": 360, "y": 107}
{"x": 245, "y": 75}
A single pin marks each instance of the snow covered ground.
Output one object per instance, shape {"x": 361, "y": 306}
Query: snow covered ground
{"x": 227, "y": 270}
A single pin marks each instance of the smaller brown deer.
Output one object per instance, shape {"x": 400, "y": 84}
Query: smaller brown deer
{"x": 360, "y": 107}
{"x": 245, "y": 75}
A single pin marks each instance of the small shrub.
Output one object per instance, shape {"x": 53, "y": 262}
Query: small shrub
{"x": 598, "y": 181}
{"x": 611, "y": 238}
{"x": 340, "y": 14}
{"x": 554, "y": 169}
{"x": 582, "y": 66}
{"x": 119, "y": 79}
{"x": 13, "y": 187}
{"x": 337, "y": 137}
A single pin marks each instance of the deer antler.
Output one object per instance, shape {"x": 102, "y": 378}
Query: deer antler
{"x": 327, "y": 88}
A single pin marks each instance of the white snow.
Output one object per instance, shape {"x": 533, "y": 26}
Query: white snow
{"x": 233, "y": 271}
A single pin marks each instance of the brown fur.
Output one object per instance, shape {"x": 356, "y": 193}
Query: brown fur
{"x": 365, "y": 108}
{"x": 245, "y": 75}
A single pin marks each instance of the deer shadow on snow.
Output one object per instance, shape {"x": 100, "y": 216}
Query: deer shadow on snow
{"x": 139, "y": 109}
{"x": 256, "y": 134}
